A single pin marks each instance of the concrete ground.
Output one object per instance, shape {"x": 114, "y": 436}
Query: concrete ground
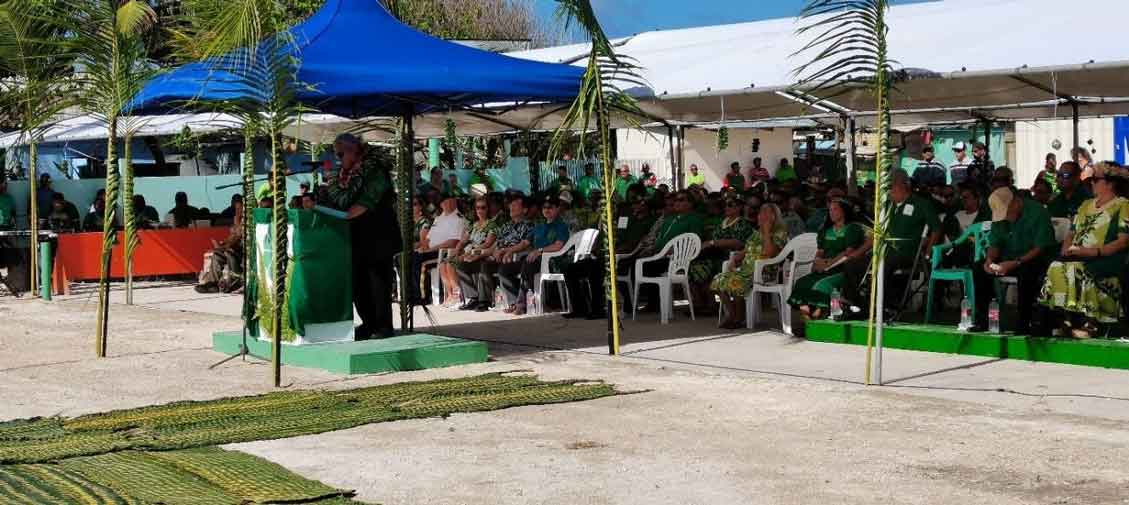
{"x": 719, "y": 418}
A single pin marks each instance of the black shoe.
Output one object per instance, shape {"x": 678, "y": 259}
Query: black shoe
{"x": 362, "y": 332}
{"x": 469, "y": 305}
{"x": 482, "y": 307}
{"x": 572, "y": 315}
{"x": 207, "y": 288}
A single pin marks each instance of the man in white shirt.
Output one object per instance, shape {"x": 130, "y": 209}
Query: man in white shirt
{"x": 445, "y": 232}
{"x": 958, "y": 169}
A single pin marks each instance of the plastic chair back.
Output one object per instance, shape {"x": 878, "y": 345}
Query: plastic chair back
{"x": 682, "y": 250}
{"x": 586, "y": 241}
{"x": 803, "y": 248}
{"x": 979, "y": 233}
{"x": 1061, "y": 226}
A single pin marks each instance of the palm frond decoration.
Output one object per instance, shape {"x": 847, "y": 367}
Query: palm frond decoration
{"x": 600, "y": 100}
{"x": 847, "y": 48}
{"x": 34, "y": 60}
{"x": 108, "y": 44}
{"x": 246, "y": 42}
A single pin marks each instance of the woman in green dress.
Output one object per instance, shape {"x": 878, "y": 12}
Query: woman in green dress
{"x": 765, "y": 242}
{"x": 1083, "y": 285}
{"x": 728, "y": 236}
{"x": 841, "y": 240}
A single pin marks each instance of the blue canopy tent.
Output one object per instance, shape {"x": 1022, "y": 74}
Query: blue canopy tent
{"x": 356, "y": 60}
{"x": 353, "y": 59}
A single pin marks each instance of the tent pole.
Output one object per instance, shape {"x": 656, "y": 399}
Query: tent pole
{"x": 852, "y": 177}
{"x": 1074, "y": 117}
{"x": 675, "y": 170}
{"x": 407, "y": 191}
{"x": 834, "y": 168}
{"x": 682, "y": 156}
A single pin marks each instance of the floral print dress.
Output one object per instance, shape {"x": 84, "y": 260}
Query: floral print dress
{"x": 1091, "y": 288}
{"x": 706, "y": 266}
{"x": 739, "y": 281}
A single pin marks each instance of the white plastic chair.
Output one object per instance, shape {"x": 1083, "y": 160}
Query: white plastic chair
{"x": 581, "y": 243}
{"x": 624, "y": 278}
{"x": 681, "y": 250}
{"x": 802, "y": 251}
{"x": 1061, "y": 226}
{"x": 436, "y": 283}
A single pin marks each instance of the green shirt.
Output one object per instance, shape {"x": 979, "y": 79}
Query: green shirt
{"x": 786, "y": 174}
{"x": 833, "y": 242}
{"x": 366, "y": 188}
{"x": 586, "y": 184}
{"x": 483, "y": 179}
{"x": 621, "y": 186}
{"x": 696, "y": 180}
{"x": 1031, "y": 230}
{"x": 735, "y": 181}
{"x": 907, "y": 222}
{"x": 629, "y": 237}
{"x": 1064, "y": 206}
{"x": 675, "y": 225}
{"x": 7, "y": 211}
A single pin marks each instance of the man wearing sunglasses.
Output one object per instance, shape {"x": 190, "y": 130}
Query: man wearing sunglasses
{"x": 1072, "y": 194}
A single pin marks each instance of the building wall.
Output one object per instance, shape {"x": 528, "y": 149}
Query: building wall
{"x": 1033, "y": 140}
{"x": 701, "y": 149}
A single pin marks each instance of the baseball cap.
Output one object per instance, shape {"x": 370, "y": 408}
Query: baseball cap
{"x": 565, "y": 196}
{"x": 960, "y": 146}
{"x": 999, "y": 202}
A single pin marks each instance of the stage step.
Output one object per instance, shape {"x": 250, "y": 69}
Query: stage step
{"x": 947, "y": 339}
{"x": 406, "y": 352}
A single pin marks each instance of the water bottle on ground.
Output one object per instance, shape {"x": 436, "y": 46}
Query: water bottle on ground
{"x": 836, "y": 306}
{"x": 994, "y": 317}
{"x": 499, "y": 299}
{"x": 530, "y": 302}
{"x": 965, "y": 315}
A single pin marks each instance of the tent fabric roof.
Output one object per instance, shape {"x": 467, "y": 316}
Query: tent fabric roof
{"x": 357, "y": 60}
{"x": 975, "y": 49}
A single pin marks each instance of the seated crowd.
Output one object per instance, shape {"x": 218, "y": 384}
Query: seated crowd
{"x": 982, "y": 222}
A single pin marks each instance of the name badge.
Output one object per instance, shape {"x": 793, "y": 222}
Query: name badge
{"x": 622, "y": 223}
{"x": 986, "y": 226}
{"x": 907, "y": 210}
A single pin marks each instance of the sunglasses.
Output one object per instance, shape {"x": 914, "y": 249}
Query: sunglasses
{"x": 480, "y": 207}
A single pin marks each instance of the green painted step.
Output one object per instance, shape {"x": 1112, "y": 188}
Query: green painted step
{"x": 406, "y": 352}
{"x": 949, "y": 340}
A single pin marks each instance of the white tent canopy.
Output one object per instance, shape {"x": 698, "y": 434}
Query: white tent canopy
{"x": 1006, "y": 59}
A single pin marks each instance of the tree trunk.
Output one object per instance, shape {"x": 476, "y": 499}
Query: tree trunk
{"x": 107, "y": 238}
{"x": 249, "y": 204}
{"x": 281, "y": 260}
{"x": 129, "y": 219}
{"x": 881, "y": 186}
{"x": 406, "y": 183}
{"x": 33, "y": 216}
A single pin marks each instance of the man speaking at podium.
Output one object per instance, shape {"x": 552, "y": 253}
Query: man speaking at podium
{"x": 362, "y": 188}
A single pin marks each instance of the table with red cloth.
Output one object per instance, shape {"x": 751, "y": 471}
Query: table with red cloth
{"x": 160, "y": 252}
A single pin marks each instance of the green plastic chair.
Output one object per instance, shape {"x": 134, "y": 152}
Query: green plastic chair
{"x": 979, "y": 232}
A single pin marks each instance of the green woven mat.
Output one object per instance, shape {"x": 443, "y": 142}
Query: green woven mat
{"x": 276, "y": 415}
{"x": 204, "y": 476}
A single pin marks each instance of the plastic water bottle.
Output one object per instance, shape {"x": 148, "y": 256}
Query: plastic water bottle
{"x": 965, "y": 315}
{"x": 499, "y": 299}
{"x": 530, "y": 303}
{"x": 836, "y": 306}
{"x": 994, "y": 317}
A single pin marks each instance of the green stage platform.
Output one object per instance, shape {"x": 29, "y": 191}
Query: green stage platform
{"x": 406, "y": 352}
{"x": 949, "y": 340}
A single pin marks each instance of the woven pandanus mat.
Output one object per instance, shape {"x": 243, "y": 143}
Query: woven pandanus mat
{"x": 277, "y": 415}
{"x": 202, "y": 476}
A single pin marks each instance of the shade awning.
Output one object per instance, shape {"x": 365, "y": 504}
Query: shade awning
{"x": 356, "y": 60}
